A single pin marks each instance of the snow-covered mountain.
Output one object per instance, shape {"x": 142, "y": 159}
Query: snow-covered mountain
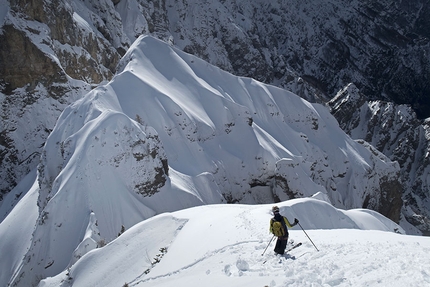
{"x": 53, "y": 52}
{"x": 169, "y": 132}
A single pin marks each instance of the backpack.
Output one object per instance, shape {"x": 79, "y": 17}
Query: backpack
{"x": 277, "y": 228}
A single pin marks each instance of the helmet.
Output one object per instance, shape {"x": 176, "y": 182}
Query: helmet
{"x": 275, "y": 209}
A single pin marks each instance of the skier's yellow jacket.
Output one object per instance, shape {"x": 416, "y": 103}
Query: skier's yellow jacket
{"x": 273, "y": 227}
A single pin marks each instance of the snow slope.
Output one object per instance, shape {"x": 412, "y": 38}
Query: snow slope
{"x": 222, "y": 245}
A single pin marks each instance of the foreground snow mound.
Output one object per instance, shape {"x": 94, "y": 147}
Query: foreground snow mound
{"x": 170, "y": 132}
{"x": 222, "y": 245}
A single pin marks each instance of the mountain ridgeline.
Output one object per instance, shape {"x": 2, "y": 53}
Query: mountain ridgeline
{"x": 54, "y": 52}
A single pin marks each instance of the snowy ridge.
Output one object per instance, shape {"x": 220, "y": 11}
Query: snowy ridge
{"x": 291, "y": 45}
{"x": 170, "y": 132}
{"x": 222, "y": 245}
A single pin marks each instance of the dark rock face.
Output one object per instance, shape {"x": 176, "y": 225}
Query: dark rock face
{"x": 388, "y": 200}
{"x": 395, "y": 131}
{"x": 47, "y": 60}
{"x": 24, "y": 69}
{"x": 23, "y": 64}
{"x": 379, "y": 45}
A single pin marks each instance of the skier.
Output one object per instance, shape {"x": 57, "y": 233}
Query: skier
{"x": 278, "y": 226}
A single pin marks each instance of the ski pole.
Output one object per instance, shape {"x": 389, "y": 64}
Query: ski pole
{"x": 307, "y": 236}
{"x": 268, "y": 245}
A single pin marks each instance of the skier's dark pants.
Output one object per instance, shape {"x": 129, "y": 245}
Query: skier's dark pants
{"x": 281, "y": 244}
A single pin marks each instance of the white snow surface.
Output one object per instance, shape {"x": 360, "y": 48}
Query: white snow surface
{"x": 104, "y": 168}
{"x": 224, "y": 245}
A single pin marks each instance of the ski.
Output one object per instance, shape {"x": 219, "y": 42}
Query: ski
{"x": 295, "y": 246}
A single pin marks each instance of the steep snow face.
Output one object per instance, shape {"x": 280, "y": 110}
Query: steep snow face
{"x": 171, "y": 131}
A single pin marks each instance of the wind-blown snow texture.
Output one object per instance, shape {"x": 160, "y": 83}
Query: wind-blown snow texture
{"x": 170, "y": 132}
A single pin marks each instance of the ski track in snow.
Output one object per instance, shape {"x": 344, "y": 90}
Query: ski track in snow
{"x": 232, "y": 247}
{"x": 298, "y": 267}
{"x": 205, "y": 257}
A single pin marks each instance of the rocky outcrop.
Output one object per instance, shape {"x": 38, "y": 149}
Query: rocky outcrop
{"x": 395, "y": 131}
{"x": 49, "y": 57}
{"x": 26, "y": 73}
{"x": 379, "y": 45}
